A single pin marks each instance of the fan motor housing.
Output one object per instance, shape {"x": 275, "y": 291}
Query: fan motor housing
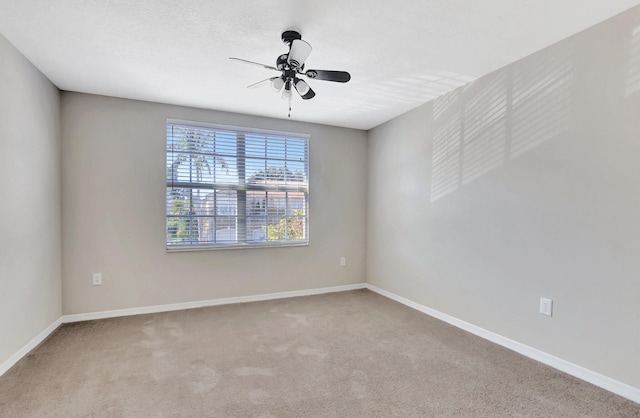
{"x": 281, "y": 62}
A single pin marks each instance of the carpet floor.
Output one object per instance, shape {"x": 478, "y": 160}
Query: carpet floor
{"x": 350, "y": 354}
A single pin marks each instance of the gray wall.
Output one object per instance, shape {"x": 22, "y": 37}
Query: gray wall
{"x": 113, "y": 200}
{"x": 524, "y": 184}
{"x": 30, "y": 295}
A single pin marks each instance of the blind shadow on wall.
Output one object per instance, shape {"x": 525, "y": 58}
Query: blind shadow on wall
{"x": 500, "y": 116}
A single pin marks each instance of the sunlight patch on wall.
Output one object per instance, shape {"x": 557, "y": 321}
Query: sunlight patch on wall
{"x": 541, "y": 98}
{"x": 445, "y": 163}
{"x": 480, "y": 126}
{"x": 485, "y": 129}
{"x": 633, "y": 74}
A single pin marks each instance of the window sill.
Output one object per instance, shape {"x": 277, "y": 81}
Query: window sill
{"x": 216, "y": 247}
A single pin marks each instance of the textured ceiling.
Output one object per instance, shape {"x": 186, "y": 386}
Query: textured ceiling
{"x": 400, "y": 53}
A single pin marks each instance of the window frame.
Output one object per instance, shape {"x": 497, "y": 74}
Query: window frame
{"x": 243, "y": 188}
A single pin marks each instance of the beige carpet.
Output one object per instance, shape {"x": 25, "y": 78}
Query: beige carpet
{"x": 352, "y": 354}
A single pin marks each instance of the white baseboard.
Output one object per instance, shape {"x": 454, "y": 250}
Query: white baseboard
{"x": 7, "y": 364}
{"x": 607, "y": 383}
{"x": 204, "y": 303}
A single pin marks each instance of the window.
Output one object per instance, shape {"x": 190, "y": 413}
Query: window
{"x": 230, "y": 187}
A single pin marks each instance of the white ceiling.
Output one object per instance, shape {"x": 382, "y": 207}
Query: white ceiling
{"x": 400, "y": 53}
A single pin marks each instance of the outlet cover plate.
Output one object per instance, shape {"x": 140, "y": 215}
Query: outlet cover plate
{"x": 97, "y": 279}
{"x": 546, "y": 306}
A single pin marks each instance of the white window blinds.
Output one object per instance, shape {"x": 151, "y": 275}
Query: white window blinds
{"x": 233, "y": 187}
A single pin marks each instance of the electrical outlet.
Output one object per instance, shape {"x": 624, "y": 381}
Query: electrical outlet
{"x": 546, "y": 306}
{"x": 343, "y": 261}
{"x": 97, "y": 279}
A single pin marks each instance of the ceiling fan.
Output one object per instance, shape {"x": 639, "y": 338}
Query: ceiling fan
{"x": 291, "y": 66}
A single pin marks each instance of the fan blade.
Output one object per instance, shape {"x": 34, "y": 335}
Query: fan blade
{"x": 260, "y": 82}
{"x": 299, "y": 52}
{"x": 268, "y": 67}
{"x": 337, "y": 76}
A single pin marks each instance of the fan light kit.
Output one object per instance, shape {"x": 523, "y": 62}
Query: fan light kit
{"x": 291, "y": 65}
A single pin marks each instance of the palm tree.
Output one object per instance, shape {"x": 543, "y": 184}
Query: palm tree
{"x": 190, "y": 149}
